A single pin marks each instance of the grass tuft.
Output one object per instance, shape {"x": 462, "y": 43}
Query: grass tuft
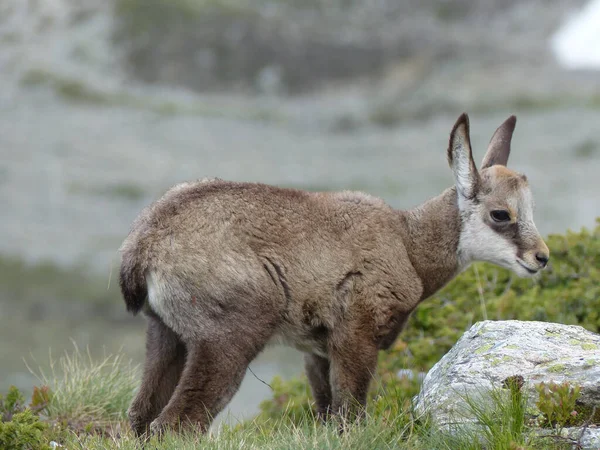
{"x": 86, "y": 391}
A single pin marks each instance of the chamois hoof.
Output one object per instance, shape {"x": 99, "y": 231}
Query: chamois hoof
{"x": 158, "y": 427}
{"x": 138, "y": 421}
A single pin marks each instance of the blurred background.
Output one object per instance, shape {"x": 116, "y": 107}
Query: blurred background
{"x": 104, "y": 104}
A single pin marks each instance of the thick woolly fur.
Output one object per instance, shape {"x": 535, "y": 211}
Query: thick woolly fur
{"x": 221, "y": 268}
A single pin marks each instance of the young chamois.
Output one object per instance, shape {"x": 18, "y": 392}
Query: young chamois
{"x": 221, "y": 268}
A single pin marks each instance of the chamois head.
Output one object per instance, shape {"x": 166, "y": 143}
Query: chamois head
{"x": 495, "y": 204}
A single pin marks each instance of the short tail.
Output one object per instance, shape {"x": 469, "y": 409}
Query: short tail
{"x": 132, "y": 280}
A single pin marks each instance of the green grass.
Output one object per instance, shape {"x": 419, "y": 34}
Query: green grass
{"x": 78, "y": 92}
{"x": 501, "y": 422}
{"x": 89, "y": 400}
{"x": 85, "y": 391}
{"x": 25, "y": 285}
{"x": 309, "y": 435}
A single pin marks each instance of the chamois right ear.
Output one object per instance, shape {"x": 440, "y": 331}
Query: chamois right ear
{"x": 460, "y": 159}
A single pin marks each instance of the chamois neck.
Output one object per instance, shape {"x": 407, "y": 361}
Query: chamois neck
{"x": 433, "y": 232}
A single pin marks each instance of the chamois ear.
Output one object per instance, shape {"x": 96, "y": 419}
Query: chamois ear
{"x": 460, "y": 158}
{"x": 499, "y": 147}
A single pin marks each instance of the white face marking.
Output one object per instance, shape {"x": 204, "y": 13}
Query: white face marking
{"x": 479, "y": 242}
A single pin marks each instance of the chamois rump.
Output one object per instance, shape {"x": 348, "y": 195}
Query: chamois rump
{"x": 221, "y": 268}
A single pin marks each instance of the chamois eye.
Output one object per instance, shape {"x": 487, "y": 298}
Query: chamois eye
{"x": 499, "y": 215}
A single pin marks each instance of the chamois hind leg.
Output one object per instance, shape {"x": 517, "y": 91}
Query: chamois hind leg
{"x": 317, "y": 371}
{"x": 217, "y": 359}
{"x": 165, "y": 358}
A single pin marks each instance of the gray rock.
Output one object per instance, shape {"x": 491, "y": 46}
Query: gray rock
{"x": 491, "y": 351}
{"x": 588, "y": 438}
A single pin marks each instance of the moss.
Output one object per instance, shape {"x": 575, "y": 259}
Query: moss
{"x": 496, "y": 360}
{"x": 556, "y": 368}
{"x": 586, "y": 415}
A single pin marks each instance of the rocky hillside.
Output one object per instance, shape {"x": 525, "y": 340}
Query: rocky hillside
{"x": 295, "y": 46}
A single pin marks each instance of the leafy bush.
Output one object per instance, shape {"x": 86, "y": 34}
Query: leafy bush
{"x": 20, "y": 427}
{"x": 23, "y": 431}
{"x": 568, "y": 292}
{"x": 12, "y": 404}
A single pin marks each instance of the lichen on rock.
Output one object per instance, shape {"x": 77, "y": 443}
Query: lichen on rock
{"x": 493, "y": 351}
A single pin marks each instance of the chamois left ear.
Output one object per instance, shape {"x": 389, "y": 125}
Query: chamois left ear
{"x": 499, "y": 147}
{"x": 460, "y": 158}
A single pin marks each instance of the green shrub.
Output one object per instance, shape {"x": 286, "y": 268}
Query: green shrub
{"x": 11, "y": 404}
{"x": 23, "y": 431}
{"x": 20, "y": 427}
{"x": 568, "y": 292}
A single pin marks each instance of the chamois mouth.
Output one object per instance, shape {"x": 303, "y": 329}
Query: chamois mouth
{"x": 527, "y": 268}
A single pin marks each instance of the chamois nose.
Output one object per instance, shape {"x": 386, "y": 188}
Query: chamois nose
{"x": 542, "y": 258}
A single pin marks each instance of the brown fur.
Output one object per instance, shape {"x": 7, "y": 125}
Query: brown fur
{"x": 221, "y": 268}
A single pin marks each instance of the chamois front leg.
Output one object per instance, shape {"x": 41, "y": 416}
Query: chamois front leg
{"x": 353, "y": 360}
{"x": 317, "y": 371}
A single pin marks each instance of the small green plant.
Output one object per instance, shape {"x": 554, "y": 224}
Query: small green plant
{"x": 40, "y": 399}
{"x": 557, "y": 403}
{"x": 11, "y": 404}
